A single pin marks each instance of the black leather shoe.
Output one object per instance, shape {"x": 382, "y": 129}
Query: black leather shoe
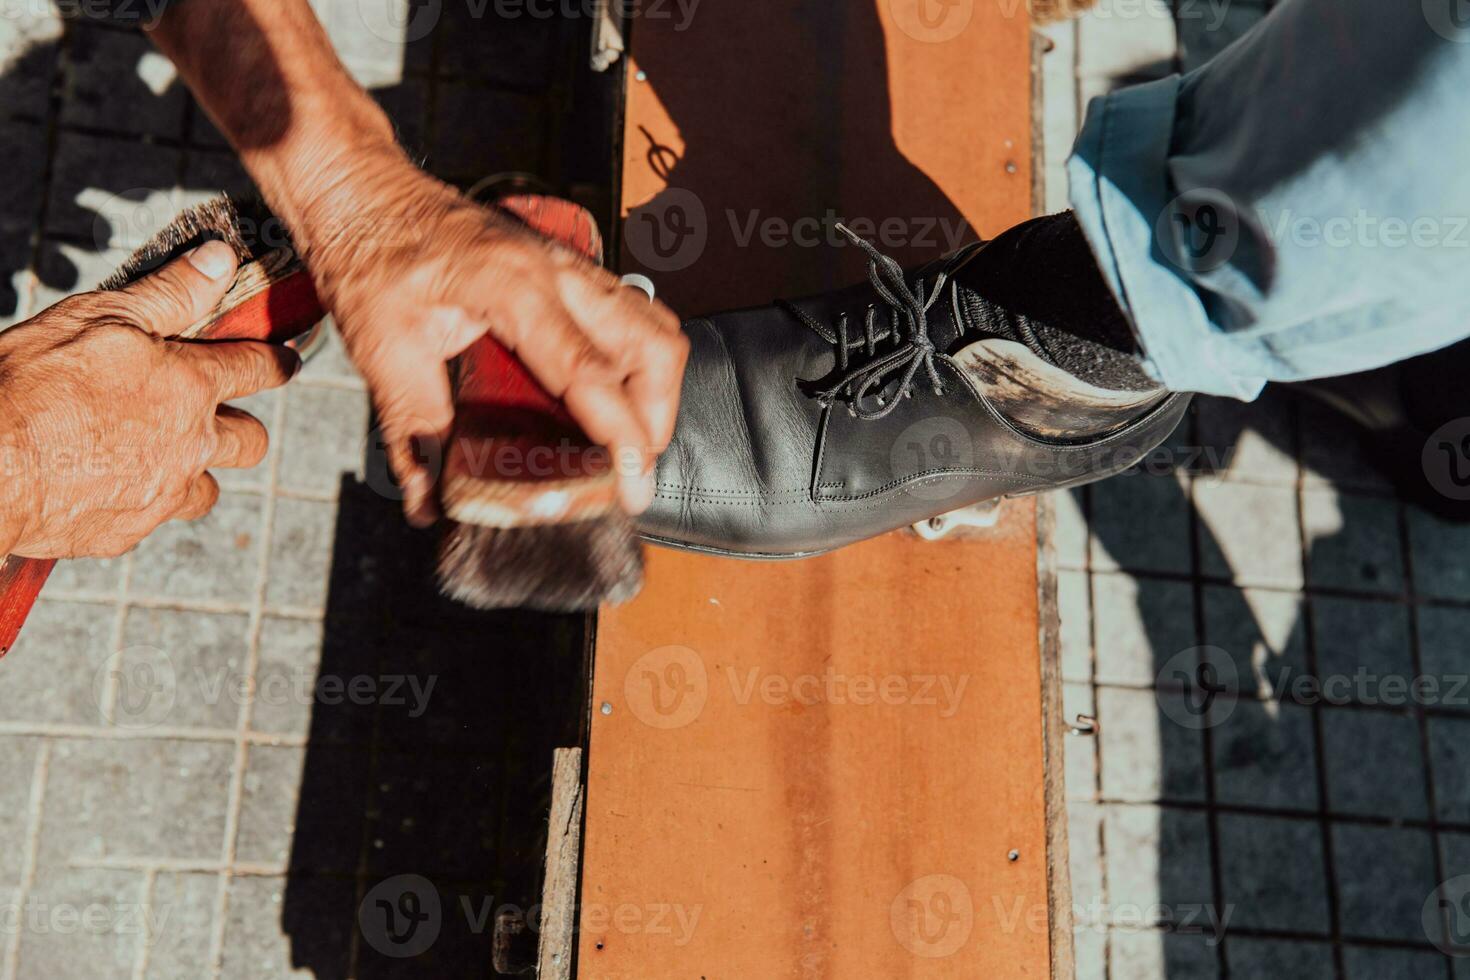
{"x": 813, "y": 424}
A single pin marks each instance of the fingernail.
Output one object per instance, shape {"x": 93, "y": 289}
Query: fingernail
{"x": 214, "y": 258}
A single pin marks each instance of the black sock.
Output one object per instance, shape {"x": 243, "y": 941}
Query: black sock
{"x": 1039, "y": 285}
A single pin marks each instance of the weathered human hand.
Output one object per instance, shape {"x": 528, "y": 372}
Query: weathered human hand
{"x": 415, "y": 272}
{"x": 108, "y": 427}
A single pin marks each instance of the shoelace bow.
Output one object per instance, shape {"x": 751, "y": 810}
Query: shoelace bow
{"x": 908, "y": 310}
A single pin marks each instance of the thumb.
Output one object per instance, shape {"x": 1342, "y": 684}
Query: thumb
{"x": 186, "y": 290}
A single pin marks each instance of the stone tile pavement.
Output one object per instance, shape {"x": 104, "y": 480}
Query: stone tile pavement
{"x": 1307, "y": 813}
{"x": 212, "y": 749}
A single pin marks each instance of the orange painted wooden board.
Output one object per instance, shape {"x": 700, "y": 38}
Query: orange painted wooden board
{"x": 819, "y": 768}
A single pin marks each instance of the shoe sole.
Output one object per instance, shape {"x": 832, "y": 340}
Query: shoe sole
{"x": 703, "y": 549}
{"x": 726, "y": 553}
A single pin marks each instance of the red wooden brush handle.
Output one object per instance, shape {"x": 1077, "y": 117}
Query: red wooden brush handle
{"x": 516, "y": 457}
{"x": 276, "y": 311}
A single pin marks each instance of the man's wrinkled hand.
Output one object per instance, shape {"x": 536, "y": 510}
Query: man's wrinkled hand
{"x": 423, "y": 272}
{"x": 108, "y": 427}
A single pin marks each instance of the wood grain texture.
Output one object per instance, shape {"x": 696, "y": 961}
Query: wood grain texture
{"x": 819, "y": 769}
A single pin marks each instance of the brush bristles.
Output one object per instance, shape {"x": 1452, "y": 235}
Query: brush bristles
{"x": 554, "y": 567}
{"x": 245, "y": 224}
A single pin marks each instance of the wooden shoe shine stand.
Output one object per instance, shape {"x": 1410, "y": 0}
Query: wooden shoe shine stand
{"x": 847, "y": 766}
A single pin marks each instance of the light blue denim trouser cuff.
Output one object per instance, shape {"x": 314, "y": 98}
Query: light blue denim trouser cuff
{"x": 1120, "y": 193}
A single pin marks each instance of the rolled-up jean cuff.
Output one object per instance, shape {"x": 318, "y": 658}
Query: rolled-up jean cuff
{"x": 1118, "y": 176}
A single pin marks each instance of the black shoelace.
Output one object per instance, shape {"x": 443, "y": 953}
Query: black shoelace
{"x": 907, "y": 327}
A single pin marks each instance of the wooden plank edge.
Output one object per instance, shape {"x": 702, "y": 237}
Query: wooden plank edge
{"x": 563, "y": 862}
{"x": 1054, "y": 725}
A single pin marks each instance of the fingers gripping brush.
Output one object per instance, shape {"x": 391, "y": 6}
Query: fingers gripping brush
{"x": 593, "y": 559}
{"x": 271, "y": 299}
{"x": 533, "y": 504}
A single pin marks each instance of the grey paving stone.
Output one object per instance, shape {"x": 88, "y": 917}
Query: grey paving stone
{"x": 1375, "y": 767}
{"x": 1273, "y": 873}
{"x": 1332, "y": 451}
{"x": 1080, "y": 753}
{"x": 1438, "y": 550}
{"x": 51, "y": 674}
{"x": 29, "y": 47}
{"x": 82, "y": 924}
{"x": 208, "y": 655}
{"x": 1445, "y": 656}
{"x": 117, "y": 80}
{"x": 1168, "y": 861}
{"x": 86, "y": 575}
{"x": 1141, "y": 523}
{"x": 1263, "y": 633}
{"x": 65, "y": 269}
{"x": 113, "y": 193}
{"x": 17, "y": 771}
{"x": 290, "y": 652}
{"x": 1455, "y": 849}
{"x": 1449, "y": 753}
{"x": 1249, "y": 534}
{"x": 1157, "y": 955}
{"x": 1273, "y": 959}
{"x": 1264, "y": 756}
{"x": 135, "y": 798}
{"x": 1084, "y": 852}
{"x": 1072, "y": 534}
{"x": 1206, "y": 29}
{"x": 1250, "y": 442}
{"x": 323, "y": 438}
{"x": 325, "y": 834}
{"x": 464, "y": 148}
{"x": 1118, "y": 37}
{"x": 18, "y": 285}
{"x": 184, "y": 906}
{"x": 1074, "y": 606}
{"x": 21, "y": 191}
{"x": 276, "y": 928}
{"x": 369, "y": 37}
{"x": 209, "y": 174}
{"x": 1383, "y": 877}
{"x": 1377, "y": 963}
{"x": 301, "y": 553}
{"x": 1140, "y": 624}
{"x": 1363, "y": 651}
{"x": 507, "y": 43}
{"x": 1146, "y": 756}
{"x": 1353, "y": 541}
{"x": 211, "y": 558}
{"x": 1090, "y": 952}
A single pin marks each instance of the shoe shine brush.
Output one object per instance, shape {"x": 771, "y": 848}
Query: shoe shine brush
{"x": 525, "y": 534}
